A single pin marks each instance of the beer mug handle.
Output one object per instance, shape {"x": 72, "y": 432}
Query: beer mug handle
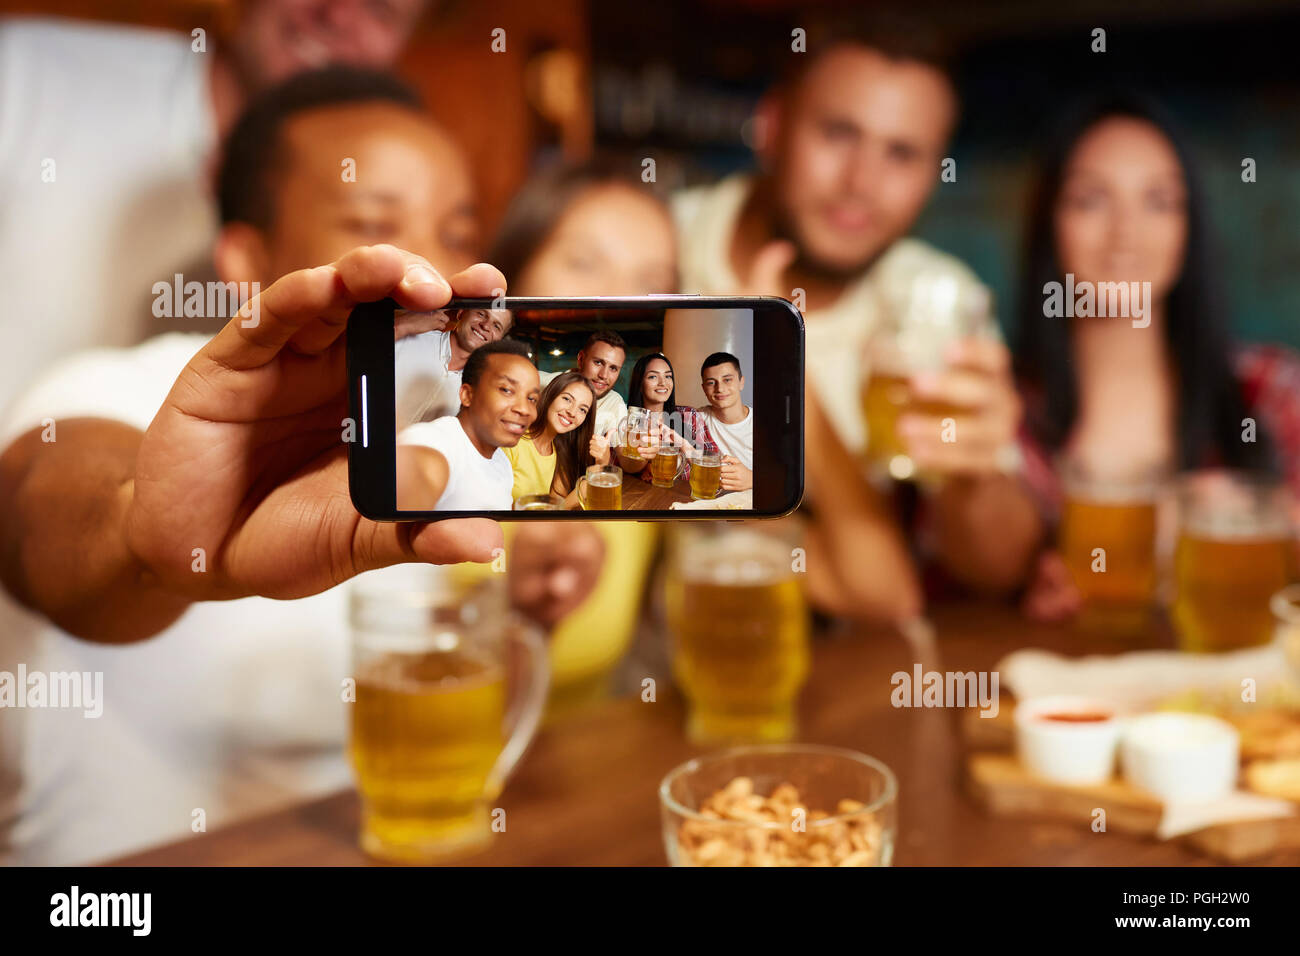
{"x": 527, "y": 711}
{"x": 582, "y": 497}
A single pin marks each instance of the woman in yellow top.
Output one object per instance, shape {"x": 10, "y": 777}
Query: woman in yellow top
{"x": 560, "y": 443}
{"x": 593, "y": 229}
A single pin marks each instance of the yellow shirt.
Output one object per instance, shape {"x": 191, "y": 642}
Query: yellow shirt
{"x": 533, "y": 470}
{"x": 587, "y": 645}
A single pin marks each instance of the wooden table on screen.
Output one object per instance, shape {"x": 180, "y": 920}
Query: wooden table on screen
{"x": 641, "y": 495}
{"x": 586, "y": 793}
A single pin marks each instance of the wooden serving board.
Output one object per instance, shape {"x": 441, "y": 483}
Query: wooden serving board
{"x": 1005, "y": 788}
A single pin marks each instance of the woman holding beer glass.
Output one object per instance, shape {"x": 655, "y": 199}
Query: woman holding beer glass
{"x": 1117, "y": 403}
{"x": 588, "y": 229}
{"x": 560, "y": 443}
{"x": 675, "y": 431}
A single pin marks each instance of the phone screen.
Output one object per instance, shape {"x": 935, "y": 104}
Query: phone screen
{"x": 590, "y": 409}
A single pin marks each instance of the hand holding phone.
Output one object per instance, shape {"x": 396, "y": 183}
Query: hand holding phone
{"x": 244, "y": 465}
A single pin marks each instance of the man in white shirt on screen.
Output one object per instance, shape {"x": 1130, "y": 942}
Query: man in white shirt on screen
{"x": 730, "y": 420}
{"x": 427, "y": 367}
{"x": 455, "y": 463}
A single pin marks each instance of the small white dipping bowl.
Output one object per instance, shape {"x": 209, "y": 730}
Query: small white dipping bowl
{"x": 1075, "y": 752}
{"x": 1180, "y": 757}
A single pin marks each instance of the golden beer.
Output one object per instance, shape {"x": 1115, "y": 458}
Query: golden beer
{"x": 426, "y": 732}
{"x": 664, "y": 468}
{"x": 706, "y": 477}
{"x": 601, "y": 489}
{"x": 740, "y": 626}
{"x": 1124, "y": 573}
{"x": 630, "y": 452}
{"x": 885, "y": 398}
{"x": 1235, "y": 549}
{"x": 1224, "y": 588}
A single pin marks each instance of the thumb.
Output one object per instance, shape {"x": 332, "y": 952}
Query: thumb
{"x": 379, "y": 544}
{"x": 769, "y": 266}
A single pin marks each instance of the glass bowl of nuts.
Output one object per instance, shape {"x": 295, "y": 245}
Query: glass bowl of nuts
{"x": 780, "y": 805}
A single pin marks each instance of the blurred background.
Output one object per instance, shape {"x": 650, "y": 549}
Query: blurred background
{"x": 678, "y": 81}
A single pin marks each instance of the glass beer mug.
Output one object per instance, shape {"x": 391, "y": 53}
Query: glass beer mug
{"x": 1235, "y": 550}
{"x": 932, "y": 311}
{"x": 633, "y": 432}
{"x": 440, "y": 717}
{"x": 1108, "y": 541}
{"x": 740, "y": 630}
{"x": 601, "y": 488}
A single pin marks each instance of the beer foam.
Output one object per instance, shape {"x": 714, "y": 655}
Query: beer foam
{"x": 1237, "y": 528}
{"x": 741, "y": 559}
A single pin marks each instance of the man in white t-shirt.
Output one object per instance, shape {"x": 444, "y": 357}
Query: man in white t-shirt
{"x": 600, "y": 360}
{"x": 107, "y": 136}
{"x": 455, "y": 463}
{"x": 122, "y": 473}
{"x": 730, "y": 420}
{"x": 851, "y": 142}
{"x": 427, "y": 367}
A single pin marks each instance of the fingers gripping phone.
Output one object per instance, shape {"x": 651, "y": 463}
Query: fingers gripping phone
{"x": 527, "y": 408}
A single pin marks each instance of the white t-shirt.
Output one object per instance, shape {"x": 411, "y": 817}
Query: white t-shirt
{"x": 474, "y": 483}
{"x": 106, "y": 133}
{"x": 610, "y": 407}
{"x": 425, "y": 387}
{"x": 835, "y": 339}
{"x": 735, "y": 440}
{"x": 235, "y": 709}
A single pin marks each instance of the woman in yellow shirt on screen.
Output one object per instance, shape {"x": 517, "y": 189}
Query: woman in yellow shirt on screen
{"x": 591, "y": 229}
{"x": 560, "y": 443}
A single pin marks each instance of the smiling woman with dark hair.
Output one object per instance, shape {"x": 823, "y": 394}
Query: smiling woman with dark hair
{"x": 1159, "y": 387}
{"x": 654, "y": 389}
{"x": 561, "y": 442}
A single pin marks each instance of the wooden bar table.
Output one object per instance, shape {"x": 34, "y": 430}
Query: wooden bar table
{"x": 641, "y": 495}
{"x": 586, "y": 793}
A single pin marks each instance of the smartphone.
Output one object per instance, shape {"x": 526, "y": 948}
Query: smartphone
{"x": 651, "y": 407}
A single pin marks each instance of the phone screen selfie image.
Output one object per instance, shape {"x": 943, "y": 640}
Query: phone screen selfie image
{"x": 542, "y": 408}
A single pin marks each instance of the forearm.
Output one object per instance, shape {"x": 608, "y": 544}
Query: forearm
{"x": 987, "y": 532}
{"x": 633, "y": 466}
{"x": 868, "y": 573}
{"x": 859, "y": 568}
{"x": 63, "y": 550}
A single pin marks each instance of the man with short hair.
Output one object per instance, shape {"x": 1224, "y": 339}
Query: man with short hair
{"x": 730, "y": 420}
{"x": 455, "y": 463}
{"x": 427, "y": 368}
{"x": 851, "y": 143}
{"x": 600, "y": 360}
{"x": 188, "y": 473}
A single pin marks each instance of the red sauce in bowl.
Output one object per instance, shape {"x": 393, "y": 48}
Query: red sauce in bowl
{"x": 1080, "y": 717}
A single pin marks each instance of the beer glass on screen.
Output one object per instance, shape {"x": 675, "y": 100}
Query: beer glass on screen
{"x": 1235, "y": 550}
{"x": 706, "y": 475}
{"x": 633, "y": 433}
{"x": 544, "y": 502}
{"x": 665, "y": 466}
{"x": 932, "y": 311}
{"x": 739, "y": 625}
{"x": 439, "y": 719}
{"x": 1108, "y": 541}
{"x": 601, "y": 488}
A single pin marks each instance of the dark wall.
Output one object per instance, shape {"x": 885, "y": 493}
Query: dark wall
{"x": 677, "y": 86}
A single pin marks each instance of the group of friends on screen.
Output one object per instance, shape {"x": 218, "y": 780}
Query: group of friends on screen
{"x": 481, "y": 428}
